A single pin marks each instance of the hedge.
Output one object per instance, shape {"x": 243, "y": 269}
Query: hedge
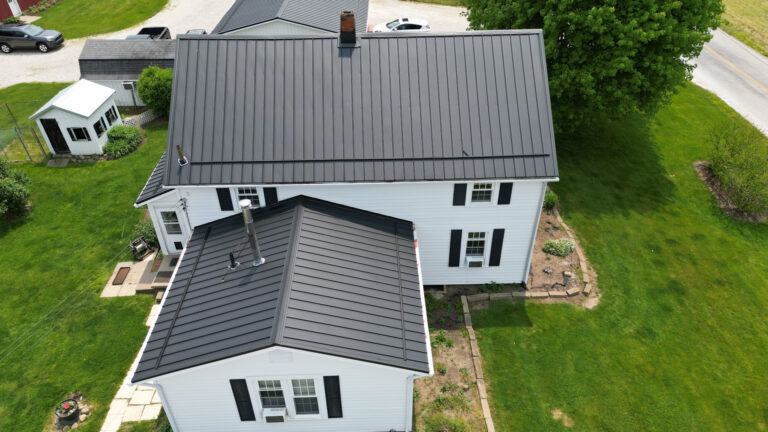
{"x": 123, "y": 139}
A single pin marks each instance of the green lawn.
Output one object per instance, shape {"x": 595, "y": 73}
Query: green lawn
{"x": 23, "y": 100}
{"x": 748, "y": 21}
{"x": 56, "y": 260}
{"x": 80, "y": 18}
{"x": 679, "y": 341}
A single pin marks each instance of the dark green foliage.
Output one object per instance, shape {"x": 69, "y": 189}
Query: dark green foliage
{"x": 560, "y": 247}
{"x": 492, "y": 287}
{"x": 440, "y": 368}
{"x": 454, "y": 401}
{"x": 613, "y": 57}
{"x": 147, "y": 230}
{"x": 739, "y": 158}
{"x": 123, "y": 140}
{"x": 551, "y": 200}
{"x": 441, "y": 340}
{"x": 154, "y": 87}
{"x": 13, "y": 190}
{"x": 11, "y": 20}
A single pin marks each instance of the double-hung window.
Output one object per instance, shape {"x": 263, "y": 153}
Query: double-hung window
{"x": 475, "y": 244}
{"x": 111, "y": 115}
{"x": 482, "y": 192}
{"x": 79, "y": 134}
{"x": 305, "y": 396}
{"x": 100, "y": 127}
{"x": 171, "y": 222}
{"x": 249, "y": 193}
{"x": 271, "y": 394}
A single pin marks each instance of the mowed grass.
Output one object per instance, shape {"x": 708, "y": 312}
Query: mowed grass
{"x": 748, "y": 21}
{"x": 23, "y": 100}
{"x": 679, "y": 339}
{"x": 80, "y": 18}
{"x": 57, "y": 336}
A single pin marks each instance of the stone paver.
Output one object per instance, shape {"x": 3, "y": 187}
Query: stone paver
{"x": 151, "y": 412}
{"x": 125, "y": 392}
{"x": 142, "y": 397}
{"x": 133, "y": 413}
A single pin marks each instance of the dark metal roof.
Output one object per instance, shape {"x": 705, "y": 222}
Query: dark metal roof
{"x": 416, "y": 107}
{"x": 336, "y": 280}
{"x": 323, "y": 15}
{"x": 124, "y": 59}
{"x": 154, "y": 186}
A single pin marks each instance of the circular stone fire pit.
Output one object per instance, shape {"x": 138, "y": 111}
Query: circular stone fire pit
{"x": 67, "y": 410}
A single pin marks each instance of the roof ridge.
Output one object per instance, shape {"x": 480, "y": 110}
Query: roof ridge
{"x": 285, "y": 287}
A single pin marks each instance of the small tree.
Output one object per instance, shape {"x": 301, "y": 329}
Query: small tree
{"x": 13, "y": 190}
{"x": 154, "y": 87}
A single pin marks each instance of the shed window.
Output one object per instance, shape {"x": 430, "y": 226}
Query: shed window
{"x": 111, "y": 115}
{"x": 79, "y": 134}
{"x": 475, "y": 244}
{"x": 271, "y": 394}
{"x": 171, "y": 222}
{"x": 250, "y": 193}
{"x": 481, "y": 192}
{"x": 305, "y": 396}
{"x": 100, "y": 127}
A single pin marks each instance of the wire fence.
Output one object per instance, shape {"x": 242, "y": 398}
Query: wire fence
{"x": 20, "y": 140}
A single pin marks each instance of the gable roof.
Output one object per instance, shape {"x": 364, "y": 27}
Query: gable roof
{"x": 336, "y": 280}
{"x": 103, "y": 59}
{"x": 82, "y": 98}
{"x": 154, "y": 186}
{"x": 323, "y": 15}
{"x": 416, "y": 107}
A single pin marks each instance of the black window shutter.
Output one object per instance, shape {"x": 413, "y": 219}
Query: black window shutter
{"x": 225, "y": 199}
{"x": 242, "y": 399}
{"x": 332, "y": 396}
{"x": 505, "y": 193}
{"x": 459, "y": 194}
{"x": 454, "y": 255}
{"x": 270, "y": 195}
{"x": 496, "y": 243}
{"x": 71, "y": 134}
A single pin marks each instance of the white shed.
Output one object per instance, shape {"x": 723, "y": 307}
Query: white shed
{"x": 77, "y": 119}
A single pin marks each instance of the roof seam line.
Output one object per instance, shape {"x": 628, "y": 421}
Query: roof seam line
{"x": 400, "y": 286}
{"x": 283, "y": 298}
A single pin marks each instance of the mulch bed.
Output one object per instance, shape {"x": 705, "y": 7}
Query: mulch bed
{"x": 713, "y": 183}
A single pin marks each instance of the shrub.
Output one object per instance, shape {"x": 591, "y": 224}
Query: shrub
{"x": 441, "y": 340}
{"x": 154, "y": 87}
{"x": 440, "y": 368}
{"x": 739, "y": 158}
{"x": 147, "y": 230}
{"x": 551, "y": 200}
{"x": 439, "y": 422}
{"x": 492, "y": 287}
{"x": 560, "y": 247}
{"x": 457, "y": 402}
{"x": 11, "y": 20}
{"x": 13, "y": 190}
{"x": 123, "y": 139}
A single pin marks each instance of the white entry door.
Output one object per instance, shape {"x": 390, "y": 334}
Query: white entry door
{"x": 175, "y": 230}
{"x": 15, "y": 9}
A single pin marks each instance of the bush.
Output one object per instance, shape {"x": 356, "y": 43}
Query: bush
{"x": 146, "y": 230}
{"x": 154, "y": 87}
{"x": 440, "y": 368}
{"x": 561, "y": 247}
{"x": 441, "y": 340}
{"x": 439, "y": 422}
{"x": 13, "y": 190}
{"x": 739, "y": 158}
{"x": 492, "y": 287}
{"x": 12, "y": 20}
{"x": 123, "y": 139}
{"x": 551, "y": 200}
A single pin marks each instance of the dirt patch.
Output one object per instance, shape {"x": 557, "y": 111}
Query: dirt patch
{"x": 713, "y": 183}
{"x": 558, "y": 414}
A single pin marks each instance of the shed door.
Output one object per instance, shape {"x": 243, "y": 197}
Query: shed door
{"x": 56, "y": 138}
{"x": 15, "y": 9}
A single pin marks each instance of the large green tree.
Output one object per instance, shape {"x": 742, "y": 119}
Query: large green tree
{"x": 609, "y": 57}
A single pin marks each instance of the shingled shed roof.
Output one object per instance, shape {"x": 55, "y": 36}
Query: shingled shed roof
{"x": 416, "y": 107}
{"x": 336, "y": 280}
{"x": 103, "y": 59}
{"x": 323, "y": 15}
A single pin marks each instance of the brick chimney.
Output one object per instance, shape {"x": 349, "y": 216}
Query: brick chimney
{"x": 347, "y": 34}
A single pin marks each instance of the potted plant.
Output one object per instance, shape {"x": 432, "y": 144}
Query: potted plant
{"x": 67, "y": 410}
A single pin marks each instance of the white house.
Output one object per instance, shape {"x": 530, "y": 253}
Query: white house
{"x": 450, "y": 131}
{"x": 318, "y": 325}
{"x": 289, "y": 17}
{"x": 77, "y": 119}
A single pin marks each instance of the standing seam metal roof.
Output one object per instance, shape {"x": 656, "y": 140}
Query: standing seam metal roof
{"x": 417, "y": 107}
{"x": 336, "y": 280}
{"x": 323, "y": 15}
{"x": 154, "y": 187}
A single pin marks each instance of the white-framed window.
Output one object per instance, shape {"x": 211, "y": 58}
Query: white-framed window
{"x": 79, "y": 134}
{"x": 100, "y": 127}
{"x": 482, "y": 192}
{"x": 271, "y": 394}
{"x": 171, "y": 222}
{"x": 305, "y": 396}
{"x": 250, "y": 193}
{"x": 111, "y": 115}
{"x": 475, "y": 244}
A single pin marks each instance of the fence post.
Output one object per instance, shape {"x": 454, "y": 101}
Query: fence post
{"x": 18, "y": 134}
{"x": 11, "y": 113}
{"x": 42, "y": 150}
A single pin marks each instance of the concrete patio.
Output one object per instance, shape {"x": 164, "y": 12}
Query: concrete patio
{"x": 148, "y": 276}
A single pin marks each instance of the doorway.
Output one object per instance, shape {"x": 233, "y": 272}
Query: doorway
{"x": 55, "y": 137}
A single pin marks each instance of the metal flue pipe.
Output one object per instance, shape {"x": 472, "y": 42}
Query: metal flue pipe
{"x": 245, "y": 206}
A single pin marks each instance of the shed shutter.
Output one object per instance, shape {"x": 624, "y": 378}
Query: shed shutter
{"x": 454, "y": 255}
{"x": 496, "y": 243}
{"x": 270, "y": 195}
{"x": 505, "y": 193}
{"x": 242, "y": 399}
{"x": 225, "y": 199}
{"x": 459, "y": 194}
{"x": 333, "y": 396}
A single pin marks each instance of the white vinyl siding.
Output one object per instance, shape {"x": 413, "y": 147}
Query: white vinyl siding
{"x": 67, "y": 120}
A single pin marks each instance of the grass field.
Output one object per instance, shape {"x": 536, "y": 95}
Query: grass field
{"x": 748, "y": 21}
{"x": 23, "y": 100}
{"x": 679, "y": 339}
{"x": 80, "y": 18}
{"x": 57, "y": 336}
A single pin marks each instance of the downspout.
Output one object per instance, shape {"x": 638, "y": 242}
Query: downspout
{"x": 409, "y": 403}
{"x": 167, "y": 407}
{"x": 533, "y": 236}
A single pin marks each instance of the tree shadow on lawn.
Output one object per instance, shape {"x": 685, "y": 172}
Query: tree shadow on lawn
{"x": 613, "y": 167}
{"x": 515, "y": 314}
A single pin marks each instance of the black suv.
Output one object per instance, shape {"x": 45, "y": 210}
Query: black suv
{"x": 28, "y": 36}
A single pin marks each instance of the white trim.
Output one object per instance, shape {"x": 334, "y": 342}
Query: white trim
{"x": 454, "y": 181}
{"x": 494, "y": 194}
{"x": 237, "y": 31}
{"x": 423, "y": 305}
{"x": 286, "y": 386}
{"x": 166, "y": 406}
{"x": 486, "y": 249}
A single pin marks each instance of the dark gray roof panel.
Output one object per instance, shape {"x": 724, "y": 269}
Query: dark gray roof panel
{"x": 337, "y": 281}
{"x": 417, "y": 107}
{"x": 154, "y": 186}
{"x": 323, "y": 15}
{"x": 124, "y": 59}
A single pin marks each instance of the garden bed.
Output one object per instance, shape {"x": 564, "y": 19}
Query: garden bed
{"x": 726, "y": 205}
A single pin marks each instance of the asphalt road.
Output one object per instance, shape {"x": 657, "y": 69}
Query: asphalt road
{"x": 737, "y": 74}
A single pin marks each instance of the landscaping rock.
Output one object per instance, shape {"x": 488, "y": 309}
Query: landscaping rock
{"x": 83, "y": 417}
{"x": 478, "y": 298}
{"x": 539, "y": 294}
{"x": 520, "y": 294}
{"x": 548, "y": 270}
{"x": 572, "y": 291}
{"x": 85, "y": 410}
{"x": 587, "y": 289}
{"x": 557, "y": 294}
{"x": 501, "y": 296}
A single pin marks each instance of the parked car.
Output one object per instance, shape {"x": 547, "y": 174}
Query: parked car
{"x": 402, "y": 24}
{"x": 153, "y": 33}
{"x": 197, "y": 32}
{"x": 28, "y": 36}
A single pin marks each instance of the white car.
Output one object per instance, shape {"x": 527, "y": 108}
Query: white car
{"x": 402, "y": 24}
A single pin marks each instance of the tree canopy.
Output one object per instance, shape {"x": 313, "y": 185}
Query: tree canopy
{"x": 154, "y": 87}
{"x": 608, "y": 57}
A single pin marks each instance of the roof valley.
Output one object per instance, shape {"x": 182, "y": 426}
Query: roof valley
{"x": 284, "y": 299}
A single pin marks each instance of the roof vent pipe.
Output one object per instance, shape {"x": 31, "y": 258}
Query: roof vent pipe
{"x": 245, "y": 206}
{"x": 182, "y": 159}
{"x": 347, "y": 34}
